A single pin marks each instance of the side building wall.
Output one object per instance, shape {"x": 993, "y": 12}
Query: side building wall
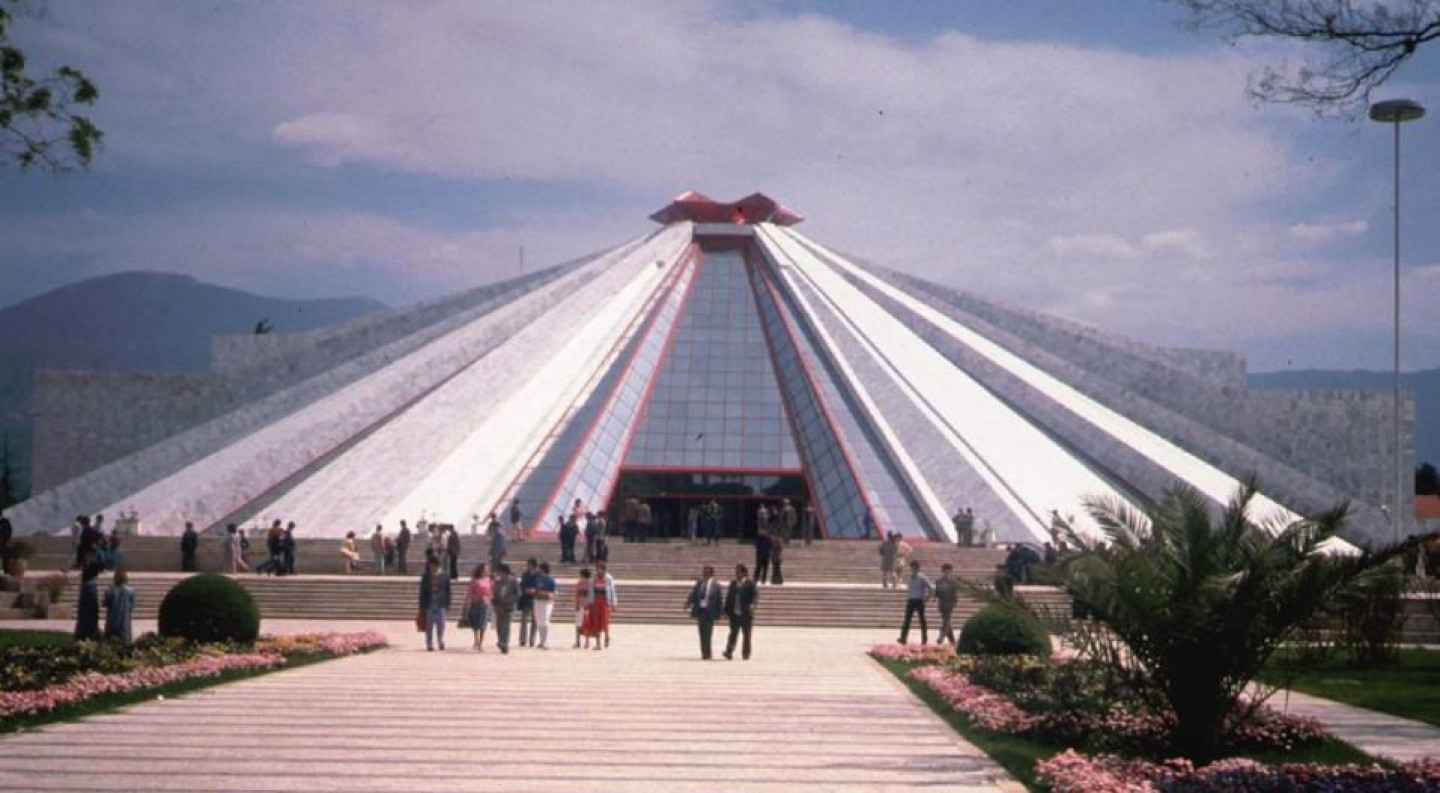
{"x": 84, "y": 420}
{"x": 1339, "y": 438}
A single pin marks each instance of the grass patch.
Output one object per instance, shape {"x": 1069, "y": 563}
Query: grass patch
{"x": 1332, "y": 752}
{"x": 1016, "y": 754}
{"x": 1409, "y": 689}
{"x": 110, "y": 702}
{"x": 28, "y": 638}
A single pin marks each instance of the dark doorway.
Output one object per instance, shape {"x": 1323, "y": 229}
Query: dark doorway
{"x": 672, "y": 494}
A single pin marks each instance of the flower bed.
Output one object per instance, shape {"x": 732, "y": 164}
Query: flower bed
{"x": 149, "y": 664}
{"x": 1071, "y": 772}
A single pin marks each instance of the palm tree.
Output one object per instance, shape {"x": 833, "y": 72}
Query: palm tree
{"x": 1200, "y": 601}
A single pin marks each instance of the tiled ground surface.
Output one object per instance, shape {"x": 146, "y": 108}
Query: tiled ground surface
{"x": 809, "y": 712}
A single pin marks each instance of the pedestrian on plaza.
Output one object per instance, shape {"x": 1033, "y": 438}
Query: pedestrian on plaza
{"x": 235, "y": 543}
{"x": 377, "y": 548}
{"x": 705, "y": 604}
{"x": 947, "y": 594}
{"x": 189, "y": 545}
{"x": 602, "y": 548}
{"x": 350, "y": 553}
{"x": 870, "y": 527}
{"x": 87, "y": 606}
{"x": 777, "y": 555}
{"x": 434, "y": 602}
{"x": 600, "y": 605}
{"x": 526, "y": 603}
{"x": 647, "y": 521}
{"x": 889, "y": 548}
{"x": 244, "y": 550}
{"x": 274, "y": 563}
{"x": 630, "y": 517}
{"x": 807, "y": 525}
{"x": 964, "y": 521}
{"x": 789, "y": 518}
{"x": 517, "y": 518}
{"x": 582, "y": 604}
{"x": 452, "y": 550}
{"x": 717, "y": 522}
{"x": 740, "y": 601}
{"x": 762, "y": 520}
{"x": 402, "y": 548}
{"x": 918, "y": 591}
{"x": 503, "y": 600}
{"x": 477, "y": 604}
{"x": 497, "y": 542}
{"x": 593, "y": 534}
{"x": 568, "y": 533}
{"x": 119, "y": 607}
{"x": 762, "y": 556}
{"x": 543, "y": 596}
{"x": 1003, "y": 583}
{"x": 287, "y": 548}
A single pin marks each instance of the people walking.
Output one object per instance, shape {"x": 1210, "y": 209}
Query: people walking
{"x": 477, "y": 604}
{"x": 918, "y": 591}
{"x": 503, "y": 600}
{"x": 377, "y": 548}
{"x": 543, "y": 605}
{"x": 807, "y": 525}
{"x": 889, "y": 547}
{"x": 762, "y": 556}
{"x": 87, "y": 605}
{"x": 434, "y": 602}
{"x": 947, "y": 594}
{"x": 119, "y": 607}
{"x": 526, "y": 603}
{"x": 705, "y": 604}
{"x": 600, "y": 605}
{"x": 189, "y": 545}
{"x": 402, "y": 548}
{"x": 740, "y": 601}
{"x": 964, "y": 522}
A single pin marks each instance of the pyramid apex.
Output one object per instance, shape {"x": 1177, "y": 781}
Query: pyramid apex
{"x": 699, "y": 208}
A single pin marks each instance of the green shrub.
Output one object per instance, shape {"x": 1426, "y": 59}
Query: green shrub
{"x": 1002, "y": 629}
{"x": 210, "y": 608}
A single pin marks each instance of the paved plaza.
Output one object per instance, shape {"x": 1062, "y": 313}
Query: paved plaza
{"x": 809, "y": 712}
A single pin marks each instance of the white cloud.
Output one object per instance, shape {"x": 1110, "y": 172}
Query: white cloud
{"x": 1095, "y": 243}
{"x": 1003, "y": 166}
{"x": 1315, "y": 233}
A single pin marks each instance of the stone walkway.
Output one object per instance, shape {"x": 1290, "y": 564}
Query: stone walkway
{"x": 1373, "y": 733}
{"x": 809, "y": 712}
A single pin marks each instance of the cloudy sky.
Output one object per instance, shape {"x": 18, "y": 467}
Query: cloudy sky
{"x": 1095, "y": 160}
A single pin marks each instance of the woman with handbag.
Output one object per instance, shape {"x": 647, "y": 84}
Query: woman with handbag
{"x": 476, "y": 614}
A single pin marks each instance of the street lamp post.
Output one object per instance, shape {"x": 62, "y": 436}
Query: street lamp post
{"x": 1394, "y": 112}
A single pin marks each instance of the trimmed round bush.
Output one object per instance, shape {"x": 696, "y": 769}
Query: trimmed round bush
{"x": 1000, "y": 629}
{"x": 210, "y": 608}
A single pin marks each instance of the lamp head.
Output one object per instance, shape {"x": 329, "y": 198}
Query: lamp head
{"x": 1396, "y": 110}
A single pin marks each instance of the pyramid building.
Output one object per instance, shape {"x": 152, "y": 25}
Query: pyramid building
{"x": 723, "y": 356}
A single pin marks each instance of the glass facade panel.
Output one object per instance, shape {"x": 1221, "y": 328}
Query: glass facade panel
{"x": 715, "y": 401}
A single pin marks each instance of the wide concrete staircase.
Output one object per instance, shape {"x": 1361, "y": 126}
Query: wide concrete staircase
{"x": 828, "y": 584}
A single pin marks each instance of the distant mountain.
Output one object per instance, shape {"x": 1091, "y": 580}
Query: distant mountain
{"x": 142, "y": 321}
{"x": 1424, "y": 385}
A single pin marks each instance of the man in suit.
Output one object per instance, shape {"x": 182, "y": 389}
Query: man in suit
{"x": 402, "y": 547}
{"x": 740, "y": 600}
{"x": 705, "y": 604}
{"x": 189, "y": 542}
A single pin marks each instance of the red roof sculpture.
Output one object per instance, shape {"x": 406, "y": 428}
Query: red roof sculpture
{"x": 700, "y": 208}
